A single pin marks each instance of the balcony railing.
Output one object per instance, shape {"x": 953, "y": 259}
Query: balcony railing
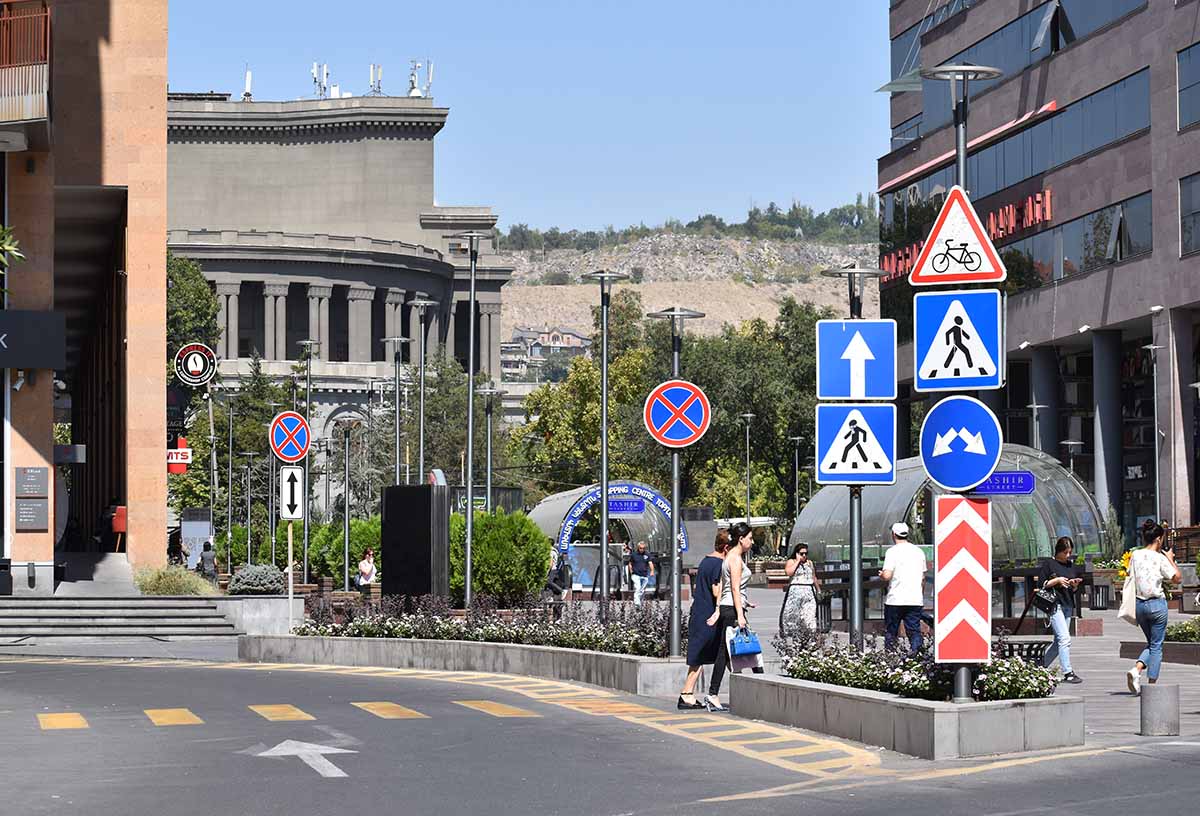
{"x": 24, "y": 63}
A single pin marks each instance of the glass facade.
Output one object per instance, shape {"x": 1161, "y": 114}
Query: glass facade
{"x": 1189, "y": 86}
{"x": 1025, "y": 41}
{"x": 1189, "y": 214}
{"x": 905, "y": 132}
{"x": 906, "y": 46}
{"x": 1107, "y": 116}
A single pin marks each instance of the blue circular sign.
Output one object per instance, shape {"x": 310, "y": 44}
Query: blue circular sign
{"x": 677, "y": 413}
{"x": 290, "y": 437}
{"x": 960, "y": 443}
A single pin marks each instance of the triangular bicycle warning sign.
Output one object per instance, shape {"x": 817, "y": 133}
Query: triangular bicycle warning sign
{"x": 855, "y": 449}
{"x": 957, "y": 349}
{"x": 958, "y": 249}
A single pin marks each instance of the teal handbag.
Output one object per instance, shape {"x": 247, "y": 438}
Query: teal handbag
{"x": 745, "y": 643}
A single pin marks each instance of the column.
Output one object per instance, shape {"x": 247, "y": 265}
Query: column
{"x": 433, "y": 329}
{"x": 455, "y": 307}
{"x": 1045, "y": 380}
{"x": 268, "y": 349}
{"x": 222, "y": 321}
{"x": 318, "y": 318}
{"x": 394, "y": 318}
{"x": 489, "y": 343}
{"x": 1175, "y": 410}
{"x": 281, "y": 301}
{"x": 1107, "y": 422}
{"x": 360, "y": 299}
{"x": 230, "y": 290}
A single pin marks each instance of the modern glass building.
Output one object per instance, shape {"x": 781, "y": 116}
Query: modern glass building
{"x": 1084, "y": 163}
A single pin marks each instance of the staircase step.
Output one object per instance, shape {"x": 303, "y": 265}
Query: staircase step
{"x": 91, "y": 603}
{"x": 110, "y": 612}
{"x": 110, "y": 620}
{"x": 115, "y": 631}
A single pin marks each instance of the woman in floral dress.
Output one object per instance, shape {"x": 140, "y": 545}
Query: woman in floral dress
{"x": 799, "y": 613}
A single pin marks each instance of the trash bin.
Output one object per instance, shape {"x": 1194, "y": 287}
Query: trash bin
{"x": 1100, "y": 597}
{"x": 5, "y": 576}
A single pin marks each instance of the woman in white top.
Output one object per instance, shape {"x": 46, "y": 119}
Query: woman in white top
{"x": 1150, "y": 566}
{"x": 366, "y": 571}
{"x": 798, "y": 615}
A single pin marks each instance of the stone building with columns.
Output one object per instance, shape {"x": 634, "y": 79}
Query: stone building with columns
{"x": 315, "y": 219}
{"x": 1084, "y": 164}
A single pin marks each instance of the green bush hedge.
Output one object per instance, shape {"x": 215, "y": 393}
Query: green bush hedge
{"x": 172, "y": 581}
{"x": 259, "y": 579}
{"x": 510, "y": 557}
{"x": 1184, "y": 632}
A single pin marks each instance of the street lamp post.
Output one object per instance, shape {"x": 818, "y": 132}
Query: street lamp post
{"x": 308, "y": 346}
{"x": 855, "y": 280}
{"x": 606, "y": 280}
{"x": 274, "y": 406}
{"x": 473, "y": 239}
{"x": 399, "y": 341}
{"x": 230, "y": 402}
{"x": 796, "y": 476}
{"x": 249, "y": 457}
{"x": 1153, "y": 349}
{"x": 489, "y": 392}
{"x": 1035, "y": 409}
{"x": 346, "y": 510}
{"x": 421, "y": 305}
{"x": 1071, "y": 445}
{"x": 747, "y": 418}
{"x": 677, "y": 315}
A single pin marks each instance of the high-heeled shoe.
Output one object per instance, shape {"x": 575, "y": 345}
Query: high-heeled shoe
{"x": 684, "y": 705}
{"x": 713, "y": 704}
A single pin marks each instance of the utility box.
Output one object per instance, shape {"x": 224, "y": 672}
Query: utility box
{"x": 5, "y": 576}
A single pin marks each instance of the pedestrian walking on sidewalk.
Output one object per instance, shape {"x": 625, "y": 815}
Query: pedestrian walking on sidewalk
{"x": 798, "y": 616}
{"x": 1062, "y": 575}
{"x": 1150, "y": 566}
{"x": 904, "y": 569}
{"x": 731, "y": 606}
{"x": 641, "y": 570}
{"x": 702, "y": 636}
{"x": 366, "y": 572}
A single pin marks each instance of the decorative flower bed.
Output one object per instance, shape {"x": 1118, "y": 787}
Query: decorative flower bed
{"x": 1004, "y": 678}
{"x": 642, "y": 631}
{"x": 1184, "y": 632}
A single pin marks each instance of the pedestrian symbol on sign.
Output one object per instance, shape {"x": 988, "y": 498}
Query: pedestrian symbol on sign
{"x": 856, "y": 449}
{"x": 957, "y": 350}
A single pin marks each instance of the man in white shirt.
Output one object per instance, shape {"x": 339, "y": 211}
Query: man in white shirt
{"x": 904, "y": 570}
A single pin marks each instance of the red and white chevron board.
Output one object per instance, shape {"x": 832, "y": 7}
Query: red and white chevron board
{"x": 962, "y": 598}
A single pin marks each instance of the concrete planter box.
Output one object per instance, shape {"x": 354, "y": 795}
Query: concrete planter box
{"x": 916, "y": 727}
{"x": 1187, "y": 653}
{"x": 649, "y": 676}
{"x": 258, "y": 614}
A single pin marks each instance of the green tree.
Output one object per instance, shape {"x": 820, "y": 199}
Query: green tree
{"x": 510, "y": 557}
{"x": 192, "y": 309}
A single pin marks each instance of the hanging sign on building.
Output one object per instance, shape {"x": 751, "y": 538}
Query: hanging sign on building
{"x": 958, "y": 249}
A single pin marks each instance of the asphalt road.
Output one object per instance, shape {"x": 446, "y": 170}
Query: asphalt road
{"x": 128, "y": 738}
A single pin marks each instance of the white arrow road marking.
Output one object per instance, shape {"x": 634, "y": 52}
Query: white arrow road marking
{"x": 962, "y": 560}
{"x": 311, "y": 755}
{"x": 858, "y": 353}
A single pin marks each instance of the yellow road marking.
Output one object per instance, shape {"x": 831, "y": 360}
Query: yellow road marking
{"x": 280, "y": 713}
{"x": 732, "y": 732}
{"x": 173, "y": 716}
{"x": 799, "y": 750}
{"x": 58, "y": 722}
{"x": 496, "y": 709}
{"x": 764, "y": 740}
{"x": 390, "y": 711}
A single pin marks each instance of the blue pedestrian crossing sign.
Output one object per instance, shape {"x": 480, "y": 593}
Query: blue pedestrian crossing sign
{"x": 856, "y": 444}
{"x": 856, "y": 359}
{"x": 960, "y": 443}
{"x": 958, "y": 340}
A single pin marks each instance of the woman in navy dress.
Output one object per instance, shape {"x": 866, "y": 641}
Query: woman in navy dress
{"x": 702, "y": 638}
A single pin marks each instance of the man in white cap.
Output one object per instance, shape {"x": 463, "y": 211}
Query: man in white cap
{"x": 904, "y": 570}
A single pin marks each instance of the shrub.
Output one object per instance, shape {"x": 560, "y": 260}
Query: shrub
{"x": 510, "y": 557}
{"x": 916, "y": 676}
{"x": 1184, "y": 632}
{"x": 259, "y": 579}
{"x": 172, "y": 581}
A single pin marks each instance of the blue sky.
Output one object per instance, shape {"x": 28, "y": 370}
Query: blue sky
{"x": 588, "y": 113}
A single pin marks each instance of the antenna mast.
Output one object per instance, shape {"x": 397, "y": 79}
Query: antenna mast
{"x": 376, "y": 80}
{"x": 246, "y": 95}
{"x": 428, "y": 76}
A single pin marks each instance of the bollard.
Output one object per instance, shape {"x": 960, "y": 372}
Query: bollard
{"x": 1160, "y": 710}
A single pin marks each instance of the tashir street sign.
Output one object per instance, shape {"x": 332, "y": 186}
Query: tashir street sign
{"x": 291, "y": 493}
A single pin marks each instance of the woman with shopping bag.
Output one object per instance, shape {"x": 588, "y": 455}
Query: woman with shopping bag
{"x": 1145, "y": 598}
{"x": 731, "y": 608}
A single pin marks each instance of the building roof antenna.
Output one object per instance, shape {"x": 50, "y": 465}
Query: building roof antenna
{"x": 414, "y": 84}
{"x": 428, "y": 77}
{"x": 376, "y": 80}
{"x": 320, "y": 78}
{"x": 246, "y": 95}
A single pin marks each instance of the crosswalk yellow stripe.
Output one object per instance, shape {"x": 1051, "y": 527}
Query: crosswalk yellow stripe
{"x": 496, "y": 709}
{"x": 390, "y": 711}
{"x": 280, "y": 713}
{"x": 62, "y": 721}
{"x": 764, "y": 740}
{"x": 801, "y": 750}
{"x": 172, "y": 716}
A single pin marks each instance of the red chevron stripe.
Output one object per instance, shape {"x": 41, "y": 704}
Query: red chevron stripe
{"x": 962, "y": 537}
{"x": 964, "y": 644}
{"x": 963, "y": 587}
{"x": 948, "y": 504}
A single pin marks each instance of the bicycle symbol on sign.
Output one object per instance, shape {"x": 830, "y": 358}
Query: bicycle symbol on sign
{"x": 959, "y": 254}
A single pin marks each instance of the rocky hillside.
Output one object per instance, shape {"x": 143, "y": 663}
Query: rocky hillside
{"x": 729, "y": 279}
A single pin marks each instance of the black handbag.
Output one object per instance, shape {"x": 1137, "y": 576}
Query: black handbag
{"x": 1045, "y": 600}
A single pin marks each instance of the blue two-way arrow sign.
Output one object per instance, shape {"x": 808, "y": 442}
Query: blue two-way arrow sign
{"x": 961, "y": 443}
{"x": 856, "y": 359}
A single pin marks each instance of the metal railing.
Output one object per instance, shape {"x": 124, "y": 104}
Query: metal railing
{"x": 24, "y": 37}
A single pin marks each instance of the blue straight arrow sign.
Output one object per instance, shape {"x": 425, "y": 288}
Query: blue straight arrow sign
{"x": 856, "y": 359}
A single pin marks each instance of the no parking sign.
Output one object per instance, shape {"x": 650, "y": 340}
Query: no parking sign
{"x": 677, "y": 413}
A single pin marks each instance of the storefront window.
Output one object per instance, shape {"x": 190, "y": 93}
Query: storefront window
{"x": 1189, "y": 211}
